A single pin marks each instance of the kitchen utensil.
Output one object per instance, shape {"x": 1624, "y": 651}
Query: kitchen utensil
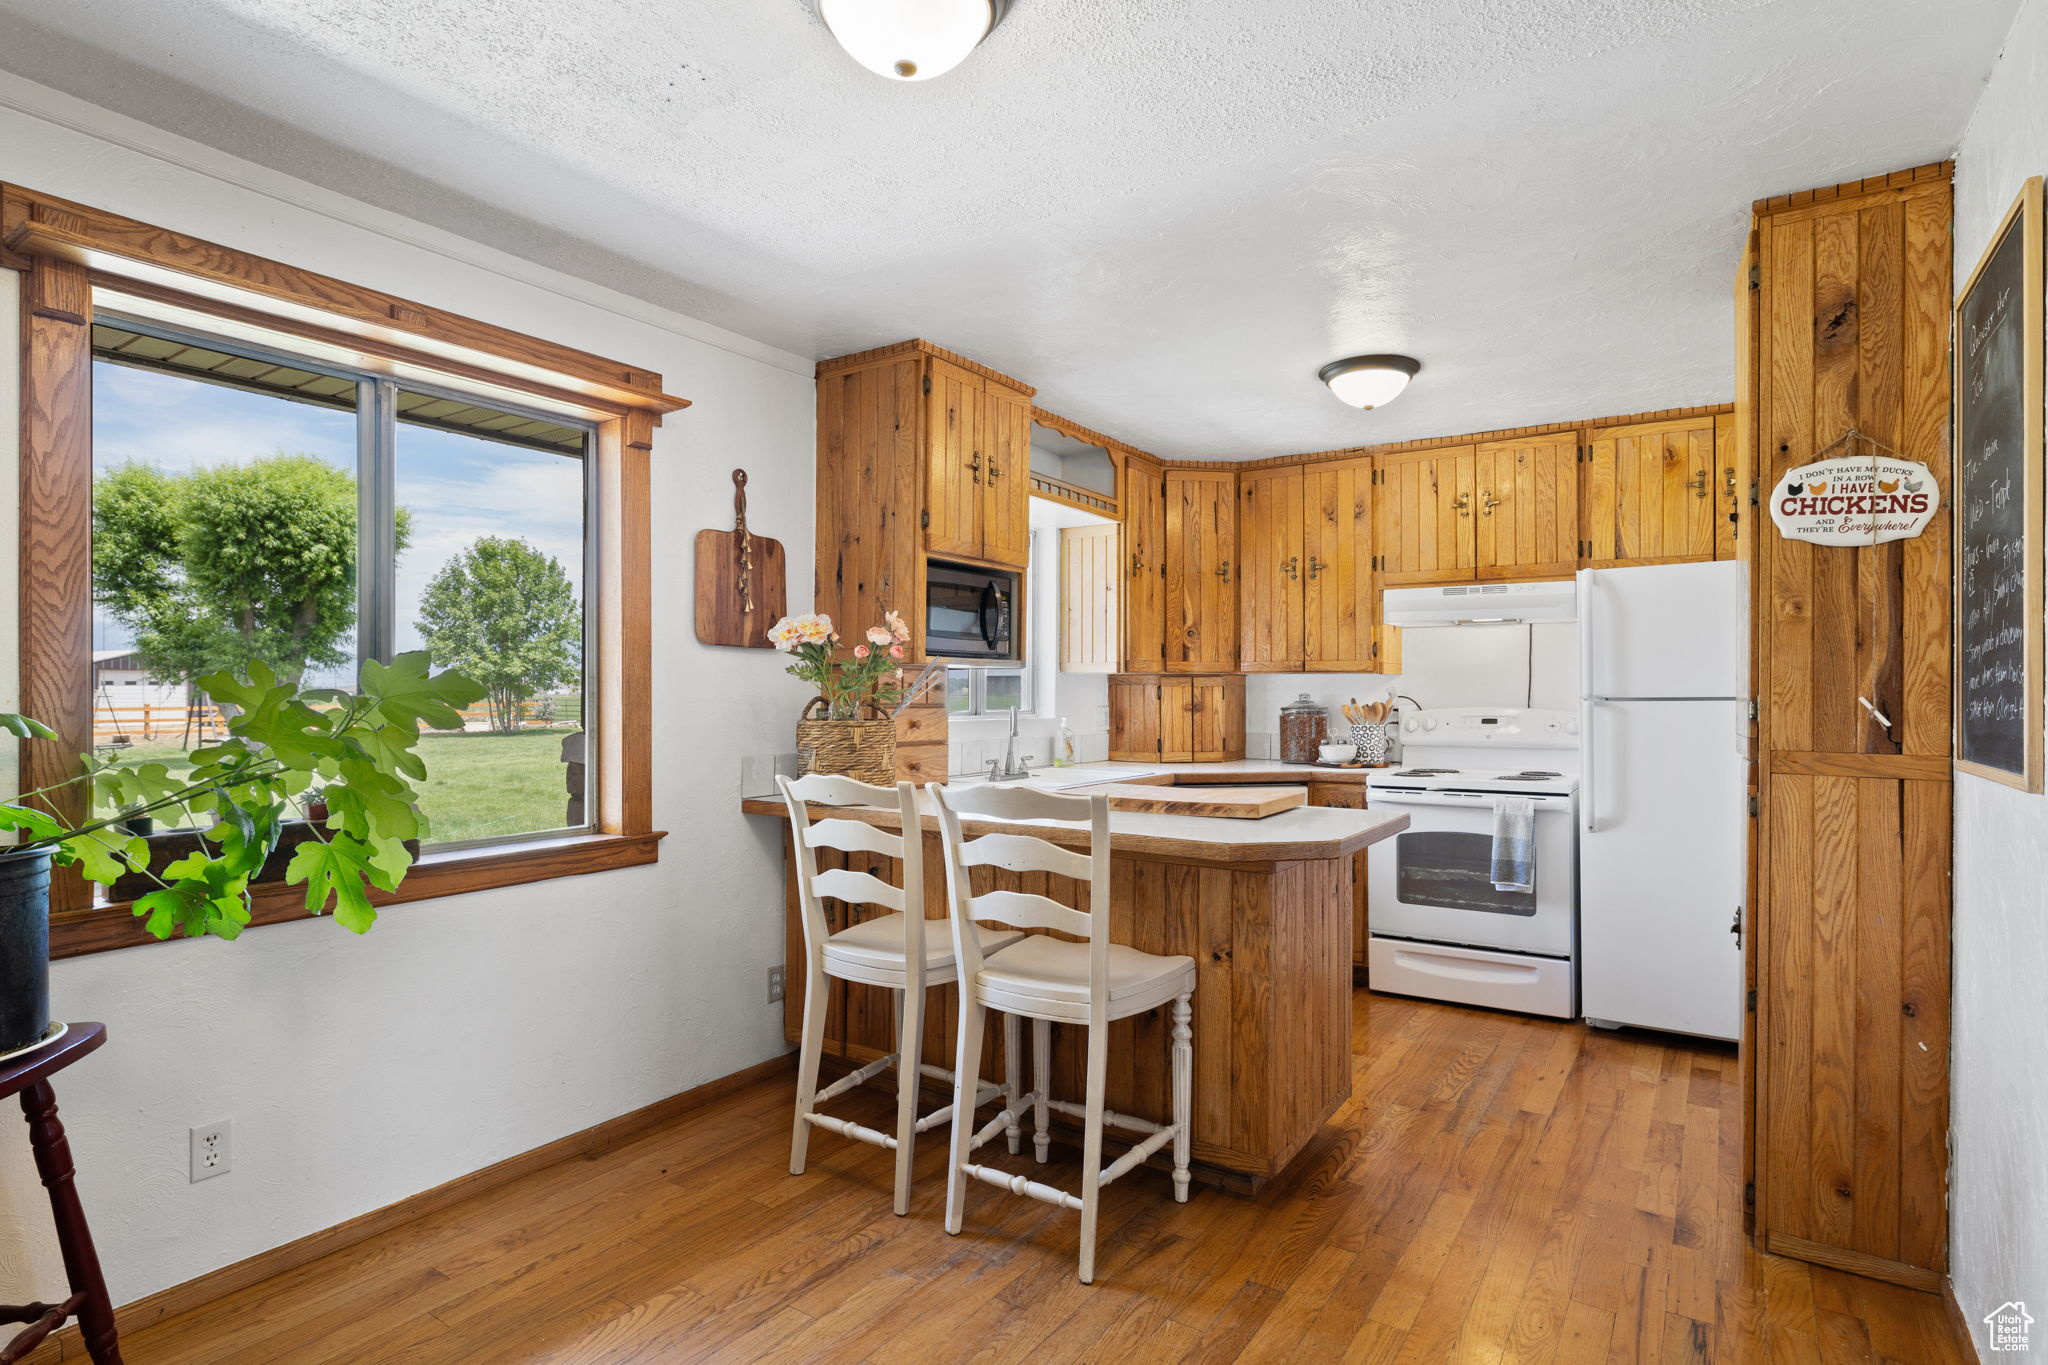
{"x": 741, "y": 580}
{"x": 1337, "y": 753}
{"x": 1371, "y": 740}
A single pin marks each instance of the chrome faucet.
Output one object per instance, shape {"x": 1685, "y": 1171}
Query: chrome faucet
{"x": 1011, "y": 768}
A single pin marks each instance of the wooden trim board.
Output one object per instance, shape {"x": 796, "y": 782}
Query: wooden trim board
{"x": 1855, "y": 1262}
{"x": 1234, "y": 802}
{"x": 613, "y": 1132}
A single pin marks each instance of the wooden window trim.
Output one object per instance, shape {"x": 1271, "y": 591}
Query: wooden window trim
{"x": 72, "y": 258}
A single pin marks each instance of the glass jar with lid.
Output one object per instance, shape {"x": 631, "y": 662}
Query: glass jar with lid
{"x": 1303, "y": 726}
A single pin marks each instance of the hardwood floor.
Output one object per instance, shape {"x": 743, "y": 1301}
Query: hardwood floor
{"x": 1498, "y": 1189}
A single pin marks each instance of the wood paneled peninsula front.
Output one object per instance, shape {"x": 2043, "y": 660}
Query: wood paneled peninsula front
{"x": 1264, "y": 907}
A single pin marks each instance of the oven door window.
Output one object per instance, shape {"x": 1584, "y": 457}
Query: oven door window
{"x": 1454, "y": 870}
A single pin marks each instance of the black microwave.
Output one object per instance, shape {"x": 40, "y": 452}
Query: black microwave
{"x": 969, "y": 613}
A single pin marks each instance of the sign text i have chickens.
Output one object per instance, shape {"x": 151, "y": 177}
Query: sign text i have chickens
{"x": 1855, "y": 500}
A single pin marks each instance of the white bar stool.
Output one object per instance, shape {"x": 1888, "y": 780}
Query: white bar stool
{"x": 1090, "y": 983}
{"x": 890, "y": 950}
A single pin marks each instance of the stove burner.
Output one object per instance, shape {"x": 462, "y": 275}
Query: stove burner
{"x": 1426, "y": 772}
{"x": 1528, "y": 776}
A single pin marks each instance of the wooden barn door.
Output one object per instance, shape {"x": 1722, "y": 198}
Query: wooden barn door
{"x": 1851, "y": 1036}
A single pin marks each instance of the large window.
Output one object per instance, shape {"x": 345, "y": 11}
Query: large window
{"x": 253, "y": 505}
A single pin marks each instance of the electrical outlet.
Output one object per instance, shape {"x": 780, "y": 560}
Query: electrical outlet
{"x": 212, "y": 1150}
{"x": 777, "y": 977}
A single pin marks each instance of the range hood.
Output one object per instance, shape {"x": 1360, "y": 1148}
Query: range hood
{"x": 1481, "y": 604}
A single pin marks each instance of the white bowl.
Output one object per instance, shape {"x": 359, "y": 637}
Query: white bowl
{"x": 1338, "y": 753}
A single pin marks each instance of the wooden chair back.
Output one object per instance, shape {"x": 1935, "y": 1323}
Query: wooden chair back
{"x": 843, "y": 835}
{"x": 1017, "y": 852}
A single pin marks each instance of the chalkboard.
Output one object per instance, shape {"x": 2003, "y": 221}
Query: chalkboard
{"x": 1998, "y": 341}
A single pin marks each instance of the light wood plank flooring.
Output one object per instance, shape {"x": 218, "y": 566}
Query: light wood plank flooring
{"x": 1498, "y": 1189}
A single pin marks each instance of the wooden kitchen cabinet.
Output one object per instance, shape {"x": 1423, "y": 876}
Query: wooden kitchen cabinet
{"x": 1350, "y": 796}
{"x": 1091, "y": 580}
{"x": 1526, "y": 507}
{"x": 1422, "y": 516}
{"x": 1144, "y": 564}
{"x": 1201, "y": 570}
{"x": 1176, "y": 718}
{"x": 1653, "y": 493}
{"x": 977, "y": 467}
{"x": 922, "y": 453}
{"x": 1307, "y": 599}
{"x": 1270, "y": 569}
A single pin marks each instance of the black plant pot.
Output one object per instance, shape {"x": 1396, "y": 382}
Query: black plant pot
{"x": 24, "y": 948}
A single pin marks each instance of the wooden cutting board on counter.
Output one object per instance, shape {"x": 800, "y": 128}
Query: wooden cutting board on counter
{"x": 1229, "y": 803}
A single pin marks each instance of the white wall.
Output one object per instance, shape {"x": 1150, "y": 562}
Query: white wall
{"x": 1999, "y": 1110}
{"x": 357, "y": 1071}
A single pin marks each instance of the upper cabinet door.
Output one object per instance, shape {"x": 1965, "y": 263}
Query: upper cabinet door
{"x": 954, "y": 468}
{"x": 1527, "y": 507}
{"x": 1271, "y": 569}
{"x": 1651, "y": 493}
{"x": 1423, "y": 517}
{"x": 1006, "y": 472}
{"x": 1336, "y": 567}
{"x": 1143, "y": 501}
{"x": 1201, "y": 570}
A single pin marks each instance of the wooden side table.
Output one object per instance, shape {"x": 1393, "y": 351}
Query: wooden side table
{"x": 29, "y": 1077}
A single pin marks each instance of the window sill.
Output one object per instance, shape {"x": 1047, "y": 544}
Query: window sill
{"x": 103, "y": 928}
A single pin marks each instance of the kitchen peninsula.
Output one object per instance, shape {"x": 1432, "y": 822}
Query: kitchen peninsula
{"x": 1263, "y": 906}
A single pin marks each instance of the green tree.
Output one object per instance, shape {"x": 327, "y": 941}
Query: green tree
{"x": 505, "y": 614}
{"x": 229, "y": 565}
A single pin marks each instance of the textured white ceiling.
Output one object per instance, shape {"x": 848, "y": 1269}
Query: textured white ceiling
{"x": 1165, "y": 215}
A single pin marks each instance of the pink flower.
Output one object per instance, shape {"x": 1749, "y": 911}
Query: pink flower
{"x": 896, "y": 651}
{"x": 877, "y": 635}
{"x": 897, "y": 627}
{"x": 860, "y": 651}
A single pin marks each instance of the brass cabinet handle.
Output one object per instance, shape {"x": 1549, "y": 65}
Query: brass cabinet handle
{"x": 1223, "y": 571}
{"x": 1292, "y": 568}
{"x": 1315, "y": 567}
{"x": 975, "y": 465}
{"x": 1698, "y": 485}
{"x": 1486, "y": 508}
{"x": 1137, "y": 564}
{"x": 994, "y": 471}
{"x": 1463, "y": 502}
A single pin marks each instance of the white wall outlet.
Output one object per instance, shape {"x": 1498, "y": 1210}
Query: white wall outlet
{"x": 212, "y": 1150}
{"x": 777, "y": 978}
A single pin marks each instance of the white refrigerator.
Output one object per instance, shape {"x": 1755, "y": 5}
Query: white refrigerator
{"x": 1663, "y": 796}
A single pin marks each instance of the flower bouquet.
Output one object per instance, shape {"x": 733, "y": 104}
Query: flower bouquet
{"x": 869, "y": 676}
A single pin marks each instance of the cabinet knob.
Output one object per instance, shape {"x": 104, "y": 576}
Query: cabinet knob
{"x": 975, "y": 465}
{"x": 1486, "y": 508}
{"x": 1292, "y": 568}
{"x": 1698, "y": 484}
{"x": 1223, "y": 571}
{"x": 1315, "y": 567}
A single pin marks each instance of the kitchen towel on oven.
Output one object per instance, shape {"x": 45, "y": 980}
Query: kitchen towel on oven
{"x": 1514, "y": 843}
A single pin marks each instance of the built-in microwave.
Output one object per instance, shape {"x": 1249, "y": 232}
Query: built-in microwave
{"x": 969, "y": 613}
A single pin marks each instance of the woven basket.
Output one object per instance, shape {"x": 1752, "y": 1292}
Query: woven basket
{"x": 864, "y": 750}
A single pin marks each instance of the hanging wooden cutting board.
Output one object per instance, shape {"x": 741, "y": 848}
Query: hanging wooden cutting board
{"x": 742, "y": 580}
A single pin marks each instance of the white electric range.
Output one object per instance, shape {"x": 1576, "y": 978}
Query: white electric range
{"x": 1439, "y": 928}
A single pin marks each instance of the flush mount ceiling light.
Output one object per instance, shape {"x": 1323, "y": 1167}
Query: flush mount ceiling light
{"x": 1368, "y": 381}
{"x": 911, "y": 40}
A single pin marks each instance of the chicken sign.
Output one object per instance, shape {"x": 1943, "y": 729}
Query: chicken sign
{"x": 1855, "y": 500}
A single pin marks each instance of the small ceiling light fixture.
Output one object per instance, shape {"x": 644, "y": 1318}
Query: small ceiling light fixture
{"x": 911, "y": 40}
{"x": 1369, "y": 381}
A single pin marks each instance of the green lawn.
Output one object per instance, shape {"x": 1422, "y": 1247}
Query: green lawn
{"x": 479, "y": 785}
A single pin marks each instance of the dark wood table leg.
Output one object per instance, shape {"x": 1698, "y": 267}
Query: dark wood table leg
{"x": 81, "y": 1262}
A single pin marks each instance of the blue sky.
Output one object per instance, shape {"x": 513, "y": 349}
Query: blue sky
{"x": 457, "y": 487}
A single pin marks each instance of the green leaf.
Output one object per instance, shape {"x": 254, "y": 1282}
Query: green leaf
{"x": 404, "y": 695}
{"x": 335, "y": 870}
{"x": 172, "y": 908}
{"x": 96, "y": 860}
{"x": 25, "y": 727}
{"x": 39, "y": 824}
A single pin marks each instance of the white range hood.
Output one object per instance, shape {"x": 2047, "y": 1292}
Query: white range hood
{"x": 1481, "y": 604}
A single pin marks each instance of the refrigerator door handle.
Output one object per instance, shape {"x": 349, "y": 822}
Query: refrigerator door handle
{"x": 1588, "y": 582}
{"x": 1587, "y": 762}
